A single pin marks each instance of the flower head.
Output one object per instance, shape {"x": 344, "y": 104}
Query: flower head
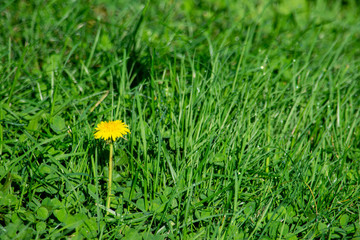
{"x": 111, "y": 130}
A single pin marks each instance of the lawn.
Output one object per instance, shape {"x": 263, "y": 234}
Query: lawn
{"x": 244, "y": 119}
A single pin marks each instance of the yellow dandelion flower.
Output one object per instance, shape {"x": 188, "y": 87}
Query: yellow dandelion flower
{"x": 111, "y": 130}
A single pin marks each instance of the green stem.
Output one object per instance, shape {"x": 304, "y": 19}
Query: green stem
{"x": 267, "y": 163}
{"x": 110, "y": 178}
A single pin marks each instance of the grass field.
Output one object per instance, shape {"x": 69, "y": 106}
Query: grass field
{"x": 244, "y": 119}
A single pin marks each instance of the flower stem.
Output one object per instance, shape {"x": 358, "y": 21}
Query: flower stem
{"x": 110, "y": 177}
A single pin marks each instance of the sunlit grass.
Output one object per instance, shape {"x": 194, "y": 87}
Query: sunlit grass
{"x": 244, "y": 120}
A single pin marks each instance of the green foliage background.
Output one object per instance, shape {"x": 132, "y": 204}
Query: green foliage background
{"x": 244, "y": 119}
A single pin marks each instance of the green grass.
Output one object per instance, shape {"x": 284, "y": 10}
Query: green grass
{"x": 244, "y": 119}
